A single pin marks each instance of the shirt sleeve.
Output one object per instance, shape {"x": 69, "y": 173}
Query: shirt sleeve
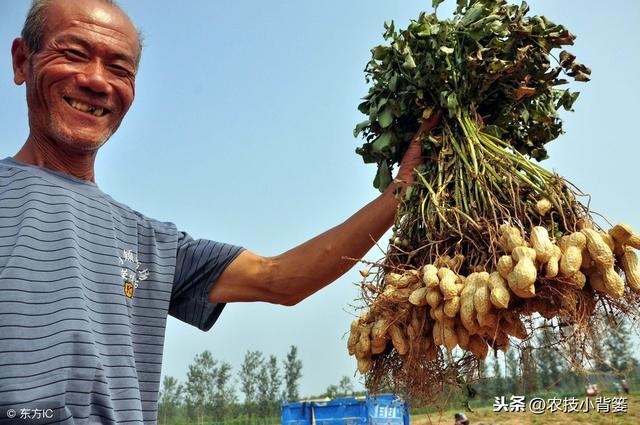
{"x": 199, "y": 263}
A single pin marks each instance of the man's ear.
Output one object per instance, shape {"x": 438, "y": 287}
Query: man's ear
{"x": 20, "y": 56}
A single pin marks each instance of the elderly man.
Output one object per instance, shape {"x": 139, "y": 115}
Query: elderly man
{"x": 87, "y": 282}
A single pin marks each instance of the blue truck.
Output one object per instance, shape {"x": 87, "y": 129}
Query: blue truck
{"x": 381, "y": 409}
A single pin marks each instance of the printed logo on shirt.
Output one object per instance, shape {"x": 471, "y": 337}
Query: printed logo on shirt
{"x": 130, "y": 272}
{"x": 128, "y": 289}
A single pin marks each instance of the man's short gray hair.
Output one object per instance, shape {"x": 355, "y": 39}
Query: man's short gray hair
{"x": 33, "y": 29}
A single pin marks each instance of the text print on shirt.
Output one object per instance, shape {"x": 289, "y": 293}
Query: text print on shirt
{"x": 131, "y": 272}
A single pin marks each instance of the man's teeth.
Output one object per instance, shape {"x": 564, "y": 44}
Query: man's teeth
{"x": 93, "y": 110}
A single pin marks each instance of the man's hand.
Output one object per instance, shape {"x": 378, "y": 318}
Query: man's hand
{"x": 290, "y": 277}
{"x": 413, "y": 157}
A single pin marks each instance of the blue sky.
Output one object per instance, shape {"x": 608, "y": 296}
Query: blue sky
{"x": 242, "y": 132}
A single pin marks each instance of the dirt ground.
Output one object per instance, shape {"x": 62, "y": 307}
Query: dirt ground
{"x": 486, "y": 416}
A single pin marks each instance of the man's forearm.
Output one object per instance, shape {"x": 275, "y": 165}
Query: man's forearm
{"x": 309, "y": 267}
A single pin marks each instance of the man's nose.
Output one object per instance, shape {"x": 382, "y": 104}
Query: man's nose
{"x": 94, "y": 78}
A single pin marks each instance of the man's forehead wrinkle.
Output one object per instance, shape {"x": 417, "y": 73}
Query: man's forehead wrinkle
{"x": 110, "y": 21}
{"x": 109, "y": 32}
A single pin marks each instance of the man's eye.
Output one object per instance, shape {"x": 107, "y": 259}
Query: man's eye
{"x": 120, "y": 70}
{"x": 74, "y": 54}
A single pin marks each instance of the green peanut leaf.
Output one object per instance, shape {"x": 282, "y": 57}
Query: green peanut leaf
{"x": 385, "y": 118}
{"x": 361, "y": 126}
{"x": 382, "y": 143}
{"x": 383, "y": 176}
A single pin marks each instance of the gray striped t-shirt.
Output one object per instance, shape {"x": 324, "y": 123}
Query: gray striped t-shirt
{"x": 85, "y": 287}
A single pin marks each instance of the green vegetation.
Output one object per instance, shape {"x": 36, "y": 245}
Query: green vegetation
{"x": 209, "y": 394}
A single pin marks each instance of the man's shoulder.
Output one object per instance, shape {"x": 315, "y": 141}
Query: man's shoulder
{"x": 21, "y": 182}
{"x": 124, "y": 209}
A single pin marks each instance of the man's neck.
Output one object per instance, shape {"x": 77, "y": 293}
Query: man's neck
{"x": 56, "y": 158}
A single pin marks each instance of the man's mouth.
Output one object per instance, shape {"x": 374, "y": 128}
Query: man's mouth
{"x": 96, "y": 111}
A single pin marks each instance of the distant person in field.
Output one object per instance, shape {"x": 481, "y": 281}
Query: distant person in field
{"x": 625, "y": 386}
{"x": 87, "y": 282}
{"x": 461, "y": 419}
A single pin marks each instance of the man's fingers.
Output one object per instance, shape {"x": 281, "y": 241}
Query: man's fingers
{"x": 413, "y": 156}
{"x": 428, "y": 124}
{"x": 433, "y": 121}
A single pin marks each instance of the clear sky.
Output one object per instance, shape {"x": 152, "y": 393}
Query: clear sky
{"x": 242, "y": 132}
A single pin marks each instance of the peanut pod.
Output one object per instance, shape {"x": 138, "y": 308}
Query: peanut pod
{"x": 571, "y": 246}
{"x": 430, "y": 276}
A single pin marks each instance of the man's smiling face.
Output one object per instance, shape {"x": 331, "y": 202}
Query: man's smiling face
{"x": 81, "y": 82}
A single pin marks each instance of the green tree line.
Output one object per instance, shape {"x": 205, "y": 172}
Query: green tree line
{"x": 209, "y": 393}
